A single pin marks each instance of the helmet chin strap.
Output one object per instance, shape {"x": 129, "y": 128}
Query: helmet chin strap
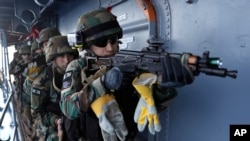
{"x": 53, "y": 80}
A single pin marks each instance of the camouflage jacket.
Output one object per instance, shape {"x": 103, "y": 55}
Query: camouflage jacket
{"x": 72, "y": 84}
{"x": 45, "y": 96}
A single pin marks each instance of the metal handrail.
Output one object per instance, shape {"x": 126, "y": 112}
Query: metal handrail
{"x": 5, "y": 108}
{"x": 17, "y": 134}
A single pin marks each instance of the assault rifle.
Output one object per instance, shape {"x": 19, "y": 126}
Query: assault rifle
{"x": 38, "y": 58}
{"x": 148, "y": 61}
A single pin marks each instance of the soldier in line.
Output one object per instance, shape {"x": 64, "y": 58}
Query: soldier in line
{"x": 20, "y": 68}
{"x": 44, "y": 37}
{"x": 46, "y": 89}
{"x": 16, "y": 58}
{"x": 107, "y": 97}
{"x": 40, "y": 62}
{"x": 13, "y": 63}
{"x": 17, "y": 61}
{"x": 33, "y": 69}
{"x": 21, "y": 71}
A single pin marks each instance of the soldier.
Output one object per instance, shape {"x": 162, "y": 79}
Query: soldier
{"x": 25, "y": 53}
{"x": 39, "y": 57}
{"x": 89, "y": 92}
{"x": 13, "y": 63}
{"x": 21, "y": 71}
{"x": 33, "y": 69}
{"x": 46, "y": 88}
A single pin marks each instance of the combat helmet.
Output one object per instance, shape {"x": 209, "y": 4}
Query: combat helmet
{"x": 97, "y": 24}
{"x": 25, "y": 49}
{"x": 58, "y": 45}
{"x": 46, "y": 33}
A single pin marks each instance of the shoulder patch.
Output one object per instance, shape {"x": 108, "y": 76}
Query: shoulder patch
{"x": 67, "y": 74}
{"x": 36, "y": 91}
{"x": 67, "y": 79}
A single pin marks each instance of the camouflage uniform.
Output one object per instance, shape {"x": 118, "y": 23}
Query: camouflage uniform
{"x": 16, "y": 81}
{"x": 33, "y": 69}
{"x": 73, "y": 104}
{"x": 46, "y": 90}
{"x": 24, "y": 104}
{"x": 23, "y": 68}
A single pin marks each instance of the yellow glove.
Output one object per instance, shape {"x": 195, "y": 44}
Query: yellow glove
{"x": 110, "y": 118}
{"x": 146, "y": 111}
{"x": 105, "y": 106}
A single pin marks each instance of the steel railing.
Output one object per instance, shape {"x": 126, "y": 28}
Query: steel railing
{"x": 8, "y": 93}
{"x": 11, "y": 108}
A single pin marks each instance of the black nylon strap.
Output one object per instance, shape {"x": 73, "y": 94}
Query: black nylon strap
{"x": 98, "y": 28}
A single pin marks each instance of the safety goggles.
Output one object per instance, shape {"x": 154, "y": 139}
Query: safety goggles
{"x": 102, "y": 42}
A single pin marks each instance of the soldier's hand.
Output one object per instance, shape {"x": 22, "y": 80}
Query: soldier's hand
{"x": 110, "y": 117}
{"x": 59, "y": 129}
{"x": 176, "y": 72}
{"x": 113, "y": 78}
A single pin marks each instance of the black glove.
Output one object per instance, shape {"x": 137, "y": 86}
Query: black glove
{"x": 40, "y": 59}
{"x": 175, "y": 71}
{"x": 113, "y": 79}
{"x": 163, "y": 96}
{"x": 20, "y": 68}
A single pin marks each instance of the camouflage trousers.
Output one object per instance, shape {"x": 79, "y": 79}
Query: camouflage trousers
{"x": 46, "y": 133}
{"x": 26, "y": 122}
{"x": 26, "y": 93}
{"x": 42, "y": 132}
{"x": 25, "y": 108}
{"x": 26, "y": 111}
{"x": 17, "y": 84}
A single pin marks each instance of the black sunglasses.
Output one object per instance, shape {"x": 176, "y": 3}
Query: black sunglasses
{"x": 102, "y": 42}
